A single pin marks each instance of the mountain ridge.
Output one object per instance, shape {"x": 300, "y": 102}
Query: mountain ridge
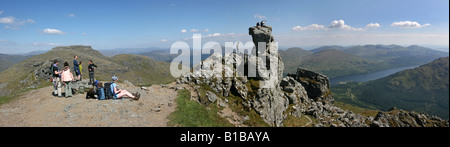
{"x": 33, "y": 72}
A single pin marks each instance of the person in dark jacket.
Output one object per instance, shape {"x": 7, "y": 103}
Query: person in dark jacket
{"x": 91, "y": 68}
{"x": 56, "y": 78}
{"x": 76, "y": 67}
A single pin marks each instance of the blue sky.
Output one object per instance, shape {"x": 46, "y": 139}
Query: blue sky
{"x": 30, "y": 25}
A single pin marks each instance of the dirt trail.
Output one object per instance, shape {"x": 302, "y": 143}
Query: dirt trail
{"x": 38, "y": 108}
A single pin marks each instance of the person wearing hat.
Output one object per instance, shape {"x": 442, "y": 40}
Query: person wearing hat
{"x": 119, "y": 93}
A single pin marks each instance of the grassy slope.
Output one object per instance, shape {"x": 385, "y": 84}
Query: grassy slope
{"x": 424, "y": 89}
{"x": 190, "y": 113}
{"x": 334, "y": 63}
{"x": 139, "y": 70}
{"x": 7, "y": 61}
{"x": 292, "y": 58}
{"x": 144, "y": 70}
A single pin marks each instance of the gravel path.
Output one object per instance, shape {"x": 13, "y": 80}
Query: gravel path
{"x": 38, "y": 108}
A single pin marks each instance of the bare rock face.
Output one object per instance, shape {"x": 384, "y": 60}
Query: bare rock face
{"x": 41, "y": 70}
{"x": 400, "y": 118}
{"x": 317, "y": 85}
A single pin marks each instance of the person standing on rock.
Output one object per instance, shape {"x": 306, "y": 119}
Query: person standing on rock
{"x": 91, "y": 68}
{"x": 67, "y": 78}
{"x": 56, "y": 79}
{"x": 76, "y": 67}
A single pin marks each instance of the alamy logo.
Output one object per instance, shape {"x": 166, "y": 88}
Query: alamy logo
{"x": 256, "y": 62}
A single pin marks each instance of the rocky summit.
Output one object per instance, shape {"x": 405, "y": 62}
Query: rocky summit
{"x": 274, "y": 98}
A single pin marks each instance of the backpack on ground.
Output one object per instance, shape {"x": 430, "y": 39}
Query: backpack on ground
{"x": 108, "y": 91}
{"x": 101, "y": 93}
{"x": 96, "y": 83}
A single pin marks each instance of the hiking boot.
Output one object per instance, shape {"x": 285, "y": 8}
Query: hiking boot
{"x": 137, "y": 96}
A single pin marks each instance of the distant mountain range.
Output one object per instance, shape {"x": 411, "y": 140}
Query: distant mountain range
{"x": 335, "y": 61}
{"x": 118, "y": 51}
{"x": 423, "y": 89}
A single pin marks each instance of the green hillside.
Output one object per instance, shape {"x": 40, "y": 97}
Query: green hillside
{"x": 332, "y": 63}
{"x": 143, "y": 70}
{"x": 7, "y": 61}
{"x": 424, "y": 89}
{"x": 137, "y": 69}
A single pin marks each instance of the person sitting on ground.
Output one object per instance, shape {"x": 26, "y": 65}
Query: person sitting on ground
{"x": 119, "y": 93}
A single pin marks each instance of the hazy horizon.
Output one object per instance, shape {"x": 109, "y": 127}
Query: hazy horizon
{"x": 30, "y": 25}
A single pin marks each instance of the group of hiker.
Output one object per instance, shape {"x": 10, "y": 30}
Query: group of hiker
{"x": 65, "y": 78}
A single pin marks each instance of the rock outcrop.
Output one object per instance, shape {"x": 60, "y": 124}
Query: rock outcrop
{"x": 267, "y": 99}
{"x": 274, "y": 97}
{"x": 400, "y": 118}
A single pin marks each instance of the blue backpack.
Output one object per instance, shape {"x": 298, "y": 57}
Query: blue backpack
{"x": 96, "y": 83}
{"x": 101, "y": 93}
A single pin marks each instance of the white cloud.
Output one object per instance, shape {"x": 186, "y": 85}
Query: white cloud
{"x": 194, "y": 30}
{"x": 1, "y": 12}
{"x": 53, "y": 31}
{"x": 71, "y": 15}
{"x": 8, "y": 20}
{"x": 426, "y": 25}
{"x": 164, "y": 40}
{"x": 84, "y": 34}
{"x": 47, "y": 44}
{"x": 258, "y": 16}
{"x": 214, "y": 35}
{"x": 206, "y": 30}
{"x": 30, "y": 21}
{"x": 336, "y": 24}
{"x": 11, "y": 27}
{"x": 373, "y": 25}
{"x": 183, "y": 31}
{"x": 340, "y": 24}
{"x": 13, "y": 23}
{"x": 409, "y": 24}
{"x": 310, "y": 27}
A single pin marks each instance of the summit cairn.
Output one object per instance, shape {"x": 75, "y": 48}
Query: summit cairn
{"x": 261, "y": 33}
